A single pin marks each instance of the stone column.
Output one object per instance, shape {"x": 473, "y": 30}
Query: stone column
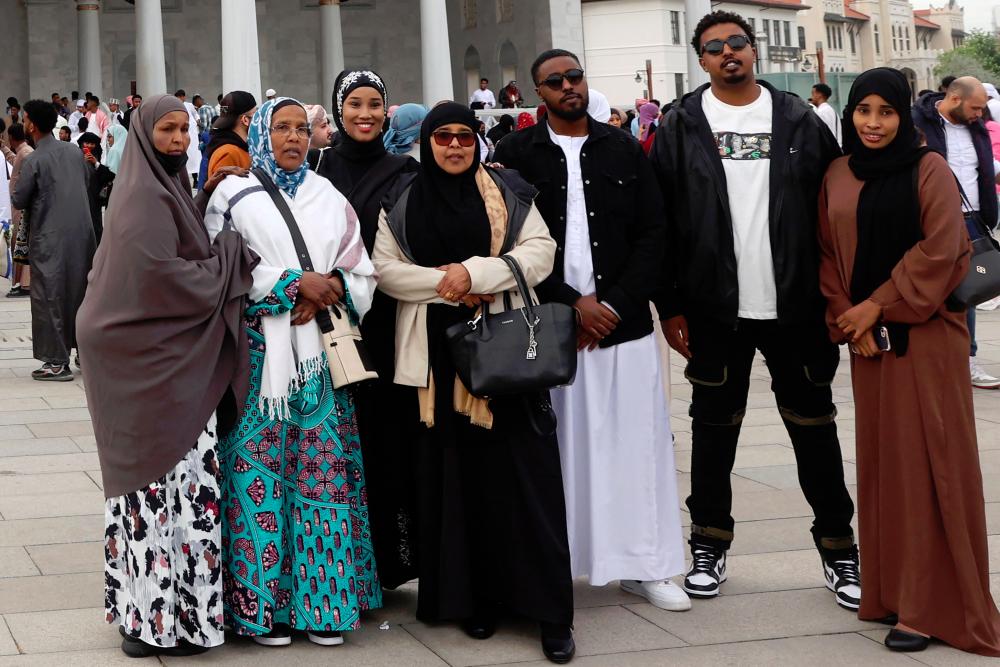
{"x": 150, "y": 66}
{"x": 88, "y": 27}
{"x": 435, "y": 52}
{"x": 694, "y": 10}
{"x": 240, "y": 53}
{"x": 332, "y": 49}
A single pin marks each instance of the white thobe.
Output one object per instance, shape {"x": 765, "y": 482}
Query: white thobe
{"x": 193, "y": 152}
{"x": 614, "y": 436}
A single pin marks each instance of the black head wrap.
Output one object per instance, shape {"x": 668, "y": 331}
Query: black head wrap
{"x": 347, "y": 82}
{"x": 446, "y": 216}
{"x": 888, "y": 215}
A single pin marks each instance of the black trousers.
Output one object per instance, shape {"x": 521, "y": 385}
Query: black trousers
{"x": 802, "y": 362}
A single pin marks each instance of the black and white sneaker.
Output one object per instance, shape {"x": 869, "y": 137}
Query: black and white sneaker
{"x": 707, "y": 572}
{"x": 280, "y": 635}
{"x": 53, "y": 373}
{"x": 325, "y": 638}
{"x": 844, "y": 579}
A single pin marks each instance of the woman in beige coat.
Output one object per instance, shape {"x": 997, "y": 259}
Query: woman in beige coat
{"x": 491, "y": 525}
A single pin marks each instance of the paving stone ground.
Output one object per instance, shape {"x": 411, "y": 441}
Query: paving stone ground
{"x": 775, "y": 609}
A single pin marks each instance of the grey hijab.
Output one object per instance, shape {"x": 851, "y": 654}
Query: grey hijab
{"x": 160, "y": 329}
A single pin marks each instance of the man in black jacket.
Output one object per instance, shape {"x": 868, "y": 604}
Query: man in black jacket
{"x": 599, "y": 196}
{"x": 952, "y": 123}
{"x": 741, "y": 166}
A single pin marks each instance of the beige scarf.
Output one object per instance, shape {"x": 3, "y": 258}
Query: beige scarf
{"x": 464, "y": 403}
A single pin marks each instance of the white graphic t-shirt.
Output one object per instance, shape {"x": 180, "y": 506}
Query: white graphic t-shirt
{"x": 743, "y": 136}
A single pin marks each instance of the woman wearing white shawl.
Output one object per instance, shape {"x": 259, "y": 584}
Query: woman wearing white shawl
{"x": 299, "y": 552}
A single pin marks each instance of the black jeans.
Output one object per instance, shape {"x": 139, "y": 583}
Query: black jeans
{"x": 802, "y": 362}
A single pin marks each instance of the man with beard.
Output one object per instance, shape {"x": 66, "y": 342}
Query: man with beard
{"x": 228, "y": 144}
{"x": 952, "y": 122}
{"x": 741, "y": 274}
{"x": 599, "y": 196}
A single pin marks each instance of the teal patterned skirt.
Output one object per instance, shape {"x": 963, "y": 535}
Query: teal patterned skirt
{"x": 297, "y": 544}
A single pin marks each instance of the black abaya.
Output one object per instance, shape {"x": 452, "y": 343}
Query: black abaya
{"x": 491, "y": 507}
{"x": 387, "y": 444}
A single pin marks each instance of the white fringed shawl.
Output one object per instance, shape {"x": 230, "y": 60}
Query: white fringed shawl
{"x": 330, "y": 227}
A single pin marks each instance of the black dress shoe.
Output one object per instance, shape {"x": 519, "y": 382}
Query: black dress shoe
{"x": 480, "y": 627}
{"x": 557, "y": 643}
{"x": 907, "y": 642}
{"x": 135, "y": 648}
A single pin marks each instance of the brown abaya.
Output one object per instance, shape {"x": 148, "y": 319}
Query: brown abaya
{"x": 920, "y": 489}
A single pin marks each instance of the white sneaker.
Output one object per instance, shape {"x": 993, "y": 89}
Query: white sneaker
{"x": 663, "y": 594}
{"x": 326, "y": 638}
{"x": 992, "y": 304}
{"x": 980, "y": 378}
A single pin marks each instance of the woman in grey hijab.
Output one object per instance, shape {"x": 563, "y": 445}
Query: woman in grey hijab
{"x": 160, "y": 327}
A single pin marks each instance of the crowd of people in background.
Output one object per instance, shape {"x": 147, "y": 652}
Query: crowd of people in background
{"x": 189, "y": 252}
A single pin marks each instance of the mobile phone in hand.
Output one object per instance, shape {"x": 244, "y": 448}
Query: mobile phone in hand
{"x": 882, "y": 339}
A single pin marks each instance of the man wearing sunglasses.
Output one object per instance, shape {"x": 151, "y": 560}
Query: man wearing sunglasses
{"x": 741, "y": 165}
{"x": 600, "y": 199}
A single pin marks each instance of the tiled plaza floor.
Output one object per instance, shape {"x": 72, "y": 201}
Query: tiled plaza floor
{"x": 775, "y": 609}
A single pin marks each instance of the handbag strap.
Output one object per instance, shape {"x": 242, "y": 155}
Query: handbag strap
{"x": 980, "y": 223}
{"x": 522, "y": 285}
{"x": 305, "y": 261}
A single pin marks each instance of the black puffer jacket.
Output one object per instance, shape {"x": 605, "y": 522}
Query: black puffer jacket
{"x": 699, "y": 271}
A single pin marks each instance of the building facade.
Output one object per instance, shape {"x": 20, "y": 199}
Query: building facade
{"x": 860, "y": 34}
{"x": 102, "y": 45}
{"x": 620, "y": 35}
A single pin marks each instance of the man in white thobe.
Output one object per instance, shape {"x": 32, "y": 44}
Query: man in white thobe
{"x": 820, "y": 99}
{"x": 598, "y": 194}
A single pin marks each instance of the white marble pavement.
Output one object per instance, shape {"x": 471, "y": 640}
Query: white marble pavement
{"x": 775, "y": 609}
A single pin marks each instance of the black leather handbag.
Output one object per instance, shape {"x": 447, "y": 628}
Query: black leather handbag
{"x": 517, "y": 351}
{"x": 982, "y": 282}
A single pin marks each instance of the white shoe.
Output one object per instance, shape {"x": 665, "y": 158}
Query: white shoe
{"x": 980, "y": 378}
{"x": 326, "y": 638}
{"x": 663, "y": 594}
{"x": 992, "y": 304}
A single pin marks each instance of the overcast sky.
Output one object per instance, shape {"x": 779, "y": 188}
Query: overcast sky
{"x": 977, "y": 12}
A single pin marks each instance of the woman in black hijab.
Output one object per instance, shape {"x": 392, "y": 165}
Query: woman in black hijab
{"x": 488, "y": 485}
{"x": 503, "y": 127}
{"x": 894, "y": 246}
{"x": 360, "y": 167}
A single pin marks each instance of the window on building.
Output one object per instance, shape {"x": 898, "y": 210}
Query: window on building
{"x": 469, "y": 13}
{"x": 777, "y": 32}
{"x": 850, "y": 38}
{"x": 788, "y": 33}
{"x": 907, "y": 28}
{"x": 766, "y": 24}
{"x": 840, "y": 38}
{"x": 829, "y": 37}
{"x": 675, "y": 27}
{"x": 753, "y": 25}
{"x": 878, "y": 42}
{"x": 678, "y": 85}
{"x": 802, "y": 38}
{"x": 505, "y": 11}
{"x": 895, "y": 46}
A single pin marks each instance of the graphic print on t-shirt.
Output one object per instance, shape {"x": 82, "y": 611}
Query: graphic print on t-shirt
{"x": 736, "y": 146}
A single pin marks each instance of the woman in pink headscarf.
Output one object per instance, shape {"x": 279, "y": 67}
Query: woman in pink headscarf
{"x": 648, "y": 114}
{"x": 525, "y": 119}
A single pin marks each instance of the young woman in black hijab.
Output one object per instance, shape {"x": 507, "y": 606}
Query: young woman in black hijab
{"x": 491, "y": 513}
{"x": 360, "y": 167}
{"x": 894, "y": 246}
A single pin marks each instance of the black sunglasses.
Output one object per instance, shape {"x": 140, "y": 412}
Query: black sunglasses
{"x": 716, "y": 46}
{"x": 554, "y": 81}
